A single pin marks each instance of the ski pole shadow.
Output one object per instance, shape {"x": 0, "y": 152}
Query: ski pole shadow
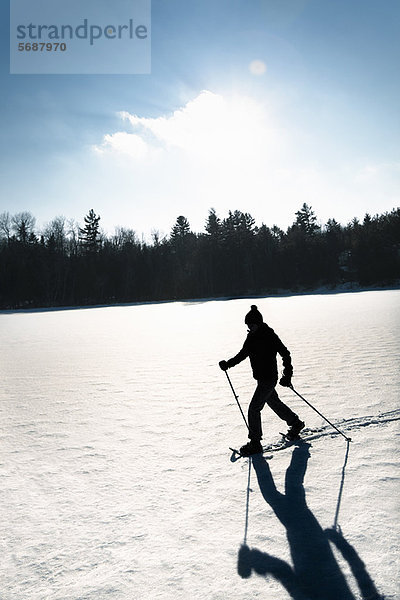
{"x": 334, "y": 534}
{"x": 339, "y": 501}
{"x": 315, "y": 574}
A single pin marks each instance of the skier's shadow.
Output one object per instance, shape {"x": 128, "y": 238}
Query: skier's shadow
{"x": 316, "y": 574}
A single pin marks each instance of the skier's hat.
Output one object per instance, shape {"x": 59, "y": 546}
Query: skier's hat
{"x": 254, "y": 317}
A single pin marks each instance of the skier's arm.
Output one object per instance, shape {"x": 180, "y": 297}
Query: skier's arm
{"x": 238, "y": 358}
{"x": 227, "y": 364}
{"x": 287, "y": 363}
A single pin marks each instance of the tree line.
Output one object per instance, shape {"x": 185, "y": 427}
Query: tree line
{"x": 67, "y": 265}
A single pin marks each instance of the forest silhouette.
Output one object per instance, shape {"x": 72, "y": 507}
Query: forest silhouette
{"x": 68, "y": 265}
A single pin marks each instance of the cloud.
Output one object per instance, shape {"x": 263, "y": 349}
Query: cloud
{"x": 208, "y": 128}
{"x": 124, "y": 143}
{"x": 231, "y": 151}
{"x": 371, "y": 174}
{"x": 216, "y": 150}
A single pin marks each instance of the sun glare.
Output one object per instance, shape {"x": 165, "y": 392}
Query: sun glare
{"x": 217, "y": 149}
{"x": 257, "y": 67}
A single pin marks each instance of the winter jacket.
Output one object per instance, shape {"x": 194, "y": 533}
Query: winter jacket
{"x": 261, "y": 347}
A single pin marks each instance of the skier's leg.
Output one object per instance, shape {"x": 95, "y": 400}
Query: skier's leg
{"x": 260, "y": 397}
{"x": 279, "y": 408}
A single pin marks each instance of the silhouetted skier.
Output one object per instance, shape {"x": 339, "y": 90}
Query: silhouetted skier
{"x": 261, "y": 346}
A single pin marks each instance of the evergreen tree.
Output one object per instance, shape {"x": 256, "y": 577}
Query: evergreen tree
{"x": 181, "y": 229}
{"x": 238, "y": 245}
{"x": 183, "y": 248}
{"x": 90, "y": 234}
{"x": 306, "y": 220}
{"x": 213, "y": 224}
{"x": 332, "y": 227}
{"x": 211, "y": 256}
{"x": 277, "y": 233}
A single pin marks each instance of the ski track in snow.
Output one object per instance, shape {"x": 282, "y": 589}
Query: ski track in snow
{"x": 345, "y": 425}
{"x": 115, "y": 478}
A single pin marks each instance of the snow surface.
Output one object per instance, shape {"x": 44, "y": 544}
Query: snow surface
{"x": 116, "y": 480}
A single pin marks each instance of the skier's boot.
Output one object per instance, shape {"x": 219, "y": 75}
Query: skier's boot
{"x": 295, "y": 428}
{"x": 252, "y": 447}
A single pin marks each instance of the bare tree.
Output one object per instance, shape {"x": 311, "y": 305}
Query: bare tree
{"x": 73, "y": 236}
{"x": 5, "y": 225}
{"x": 23, "y": 225}
{"x": 124, "y": 237}
{"x": 55, "y": 234}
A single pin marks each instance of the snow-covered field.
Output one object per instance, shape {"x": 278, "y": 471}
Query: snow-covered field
{"x": 116, "y": 480}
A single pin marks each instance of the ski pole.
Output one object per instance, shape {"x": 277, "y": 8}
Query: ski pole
{"x": 348, "y": 439}
{"x": 236, "y": 398}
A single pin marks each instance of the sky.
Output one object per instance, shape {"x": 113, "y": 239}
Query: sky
{"x": 251, "y": 105}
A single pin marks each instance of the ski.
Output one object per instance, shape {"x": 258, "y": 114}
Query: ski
{"x": 281, "y": 445}
{"x": 236, "y": 453}
{"x": 288, "y": 439}
{"x": 273, "y": 447}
